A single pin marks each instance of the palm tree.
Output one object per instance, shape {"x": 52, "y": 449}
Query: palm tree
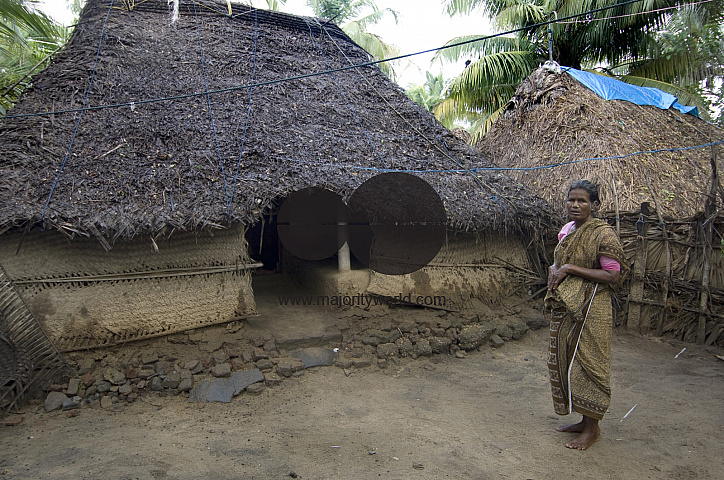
{"x": 624, "y": 37}
{"x": 349, "y": 11}
{"x": 27, "y": 40}
{"x": 430, "y": 94}
{"x": 691, "y": 55}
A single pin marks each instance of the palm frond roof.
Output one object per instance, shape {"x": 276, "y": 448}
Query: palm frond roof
{"x": 132, "y": 165}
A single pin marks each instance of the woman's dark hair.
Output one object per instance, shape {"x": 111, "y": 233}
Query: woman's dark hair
{"x": 589, "y": 187}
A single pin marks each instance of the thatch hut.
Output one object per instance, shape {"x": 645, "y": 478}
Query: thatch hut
{"x": 150, "y": 153}
{"x": 663, "y": 201}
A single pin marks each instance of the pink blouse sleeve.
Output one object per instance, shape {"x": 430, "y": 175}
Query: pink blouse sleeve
{"x": 565, "y": 230}
{"x": 608, "y": 263}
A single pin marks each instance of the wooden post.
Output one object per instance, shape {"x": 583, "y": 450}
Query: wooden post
{"x": 618, "y": 214}
{"x": 704, "y": 299}
{"x": 667, "y": 277}
{"x": 708, "y": 226}
{"x": 343, "y": 259}
{"x": 636, "y": 292}
{"x": 665, "y": 287}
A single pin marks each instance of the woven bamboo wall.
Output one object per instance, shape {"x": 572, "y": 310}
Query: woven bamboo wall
{"x": 85, "y": 296}
{"x": 678, "y": 287}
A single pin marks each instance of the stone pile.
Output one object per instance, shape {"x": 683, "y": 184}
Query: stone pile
{"x": 381, "y": 340}
{"x": 106, "y": 381}
{"x": 217, "y": 368}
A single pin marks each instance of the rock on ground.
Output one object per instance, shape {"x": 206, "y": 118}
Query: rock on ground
{"x": 223, "y": 389}
{"x": 55, "y": 400}
{"x": 315, "y": 356}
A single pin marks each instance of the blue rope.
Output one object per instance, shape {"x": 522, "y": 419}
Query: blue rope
{"x": 517, "y": 169}
{"x": 341, "y": 90}
{"x": 80, "y": 115}
{"x": 208, "y": 101}
{"x": 248, "y": 115}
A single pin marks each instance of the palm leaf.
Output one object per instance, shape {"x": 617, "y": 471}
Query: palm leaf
{"x": 521, "y": 13}
{"x": 374, "y": 17}
{"x": 496, "y": 69}
{"x": 679, "y": 67}
{"x": 485, "y": 46}
{"x": 463, "y": 7}
{"x": 35, "y": 24}
{"x": 483, "y": 125}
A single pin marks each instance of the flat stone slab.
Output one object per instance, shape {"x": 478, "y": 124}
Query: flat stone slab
{"x": 223, "y": 389}
{"x": 315, "y": 356}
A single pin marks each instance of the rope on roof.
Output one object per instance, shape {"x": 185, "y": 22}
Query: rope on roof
{"x": 248, "y": 116}
{"x": 211, "y": 112}
{"x": 507, "y": 169}
{"x": 341, "y": 90}
{"x": 85, "y": 100}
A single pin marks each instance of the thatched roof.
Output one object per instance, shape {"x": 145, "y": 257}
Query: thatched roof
{"x": 152, "y": 164}
{"x": 554, "y": 119}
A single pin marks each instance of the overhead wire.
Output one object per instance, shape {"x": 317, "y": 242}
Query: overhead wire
{"x": 344, "y": 95}
{"x": 324, "y": 72}
{"x": 436, "y": 145}
{"x": 675, "y": 7}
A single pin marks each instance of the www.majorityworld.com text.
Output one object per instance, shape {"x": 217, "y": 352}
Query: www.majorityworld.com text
{"x": 362, "y": 300}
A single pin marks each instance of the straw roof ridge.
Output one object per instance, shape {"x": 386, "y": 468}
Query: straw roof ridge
{"x": 554, "y": 119}
{"x": 145, "y": 167}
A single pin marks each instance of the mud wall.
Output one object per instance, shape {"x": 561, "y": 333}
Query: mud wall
{"x": 486, "y": 267}
{"x": 85, "y": 296}
{"x": 469, "y": 266}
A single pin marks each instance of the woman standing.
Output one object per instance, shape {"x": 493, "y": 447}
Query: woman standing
{"x": 589, "y": 261}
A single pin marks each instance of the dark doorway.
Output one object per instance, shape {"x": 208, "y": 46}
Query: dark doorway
{"x": 264, "y": 247}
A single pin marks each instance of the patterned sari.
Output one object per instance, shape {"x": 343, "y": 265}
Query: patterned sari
{"x": 581, "y": 323}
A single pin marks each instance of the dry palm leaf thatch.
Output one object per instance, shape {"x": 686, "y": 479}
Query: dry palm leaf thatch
{"x": 138, "y": 165}
{"x": 554, "y": 119}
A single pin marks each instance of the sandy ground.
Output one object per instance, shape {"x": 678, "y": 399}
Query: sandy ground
{"x": 488, "y": 415}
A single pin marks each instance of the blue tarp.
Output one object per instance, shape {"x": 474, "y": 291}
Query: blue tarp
{"x": 612, "y": 89}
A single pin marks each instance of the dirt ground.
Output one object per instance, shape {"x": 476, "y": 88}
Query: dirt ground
{"x": 488, "y": 415}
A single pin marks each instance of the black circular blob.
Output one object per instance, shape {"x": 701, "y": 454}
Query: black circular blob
{"x": 397, "y": 223}
{"x": 312, "y": 223}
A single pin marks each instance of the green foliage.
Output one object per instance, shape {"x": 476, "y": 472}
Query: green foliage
{"x": 430, "y": 94}
{"x": 645, "y": 43}
{"x": 348, "y": 13}
{"x": 693, "y": 41}
{"x": 27, "y": 39}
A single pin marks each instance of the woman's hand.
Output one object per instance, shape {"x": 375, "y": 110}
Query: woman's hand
{"x": 556, "y": 275}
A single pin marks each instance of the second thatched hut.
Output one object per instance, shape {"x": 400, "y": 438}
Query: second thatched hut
{"x": 657, "y": 173}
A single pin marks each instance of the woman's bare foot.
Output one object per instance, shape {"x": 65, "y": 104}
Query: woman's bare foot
{"x": 589, "y": 433}
{"x": 584, "y": 440}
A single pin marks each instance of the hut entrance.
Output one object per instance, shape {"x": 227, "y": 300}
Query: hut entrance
{"x": 263, "y": 241}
